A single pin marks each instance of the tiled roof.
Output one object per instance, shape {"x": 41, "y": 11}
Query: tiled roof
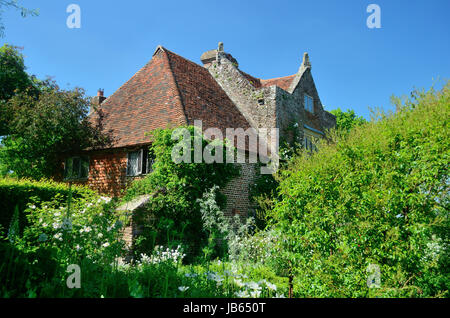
{"x": 282, "y": 82}
{"x": 169, "y": 91}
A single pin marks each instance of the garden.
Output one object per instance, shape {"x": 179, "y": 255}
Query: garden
{"x": 366, "y": 215}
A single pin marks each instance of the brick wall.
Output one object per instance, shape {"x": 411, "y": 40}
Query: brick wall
{"x": 107, "y": 172}
{"x": 237, "y": 191}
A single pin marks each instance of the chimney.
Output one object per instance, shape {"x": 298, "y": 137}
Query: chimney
{"x": 214, "y": 55}
{"x": 305, "y": 63}
{"x": 96, "y": 101}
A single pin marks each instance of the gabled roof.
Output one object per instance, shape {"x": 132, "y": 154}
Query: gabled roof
{"x": 169, "y": 91}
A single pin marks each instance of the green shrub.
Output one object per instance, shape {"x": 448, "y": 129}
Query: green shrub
{"x": 378, "y": 195}
{"x": 21, "y": 192}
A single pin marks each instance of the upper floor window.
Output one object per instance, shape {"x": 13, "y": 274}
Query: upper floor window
{"x": 309, "y": 103}
{"x": 76, "y": 168}
{"x": 139, "y": 162}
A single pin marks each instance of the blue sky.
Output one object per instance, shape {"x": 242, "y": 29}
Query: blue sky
{"x": 353, "y": 66}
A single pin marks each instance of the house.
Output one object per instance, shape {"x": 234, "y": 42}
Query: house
{"x": 171, "y": 90}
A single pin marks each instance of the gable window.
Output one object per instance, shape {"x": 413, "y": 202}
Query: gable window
{"x": 139, "y": 162}
{"x": 76, "y": 168}
{"x": 309, "y": 103}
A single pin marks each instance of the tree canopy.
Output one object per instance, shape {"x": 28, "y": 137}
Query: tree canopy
{"x": 40, "y": 121}
{"x": 347, "y": 120}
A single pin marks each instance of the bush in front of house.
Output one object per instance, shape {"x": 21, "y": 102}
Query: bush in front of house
{"x": 22, "y": 192}
{"x": 368, "y": 216}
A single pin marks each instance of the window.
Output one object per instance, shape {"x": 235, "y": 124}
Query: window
{"x": 139, "y": 162}
{"x": 76, "y": 168}
{"x": 309, "y": 144}
{"x": 309, "y": 103}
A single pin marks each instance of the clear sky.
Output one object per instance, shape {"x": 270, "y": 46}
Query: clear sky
{"x": 353, "y": 66}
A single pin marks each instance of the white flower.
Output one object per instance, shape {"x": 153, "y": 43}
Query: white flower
{"x": 254, "y": 286}
{"x": 183, "y": 288}
{"x": 105, "y": 244}
{"x": 271, "y": 286}
{"x": 239, "y": 283}
{"x": 58, "y": 236}
{"x": 105, "y": 199}
{"x": 255, "y": 293}
{"x": 87, "y": 229}
{"x": 100, "y": 235}
{"x": 242, "y": 294}
{"x": 280, "y": 296}
{"x": 77, "y": 247}
{"x": 32, "y": 207}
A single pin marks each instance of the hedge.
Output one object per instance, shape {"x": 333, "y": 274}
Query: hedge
{"x": 21, "y": 192}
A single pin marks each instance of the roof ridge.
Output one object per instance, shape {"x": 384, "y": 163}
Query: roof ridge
{"x": 275, "y": 78}
{"x": 172, "y": 75}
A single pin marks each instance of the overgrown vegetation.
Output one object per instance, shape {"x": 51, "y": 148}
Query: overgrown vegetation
{"x": 172, "y": 216}
{"x": 378, "y": 195}
{"x": 364, "y": 216}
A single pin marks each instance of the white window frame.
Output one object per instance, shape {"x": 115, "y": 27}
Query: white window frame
{"x": 138, "y": 162}
{"x": 308, "y": 107}
{"x": 143, "y": 153}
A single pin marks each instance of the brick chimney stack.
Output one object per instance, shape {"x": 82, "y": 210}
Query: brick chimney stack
{"x": 96, "y": 101}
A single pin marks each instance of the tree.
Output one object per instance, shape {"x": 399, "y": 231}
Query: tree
{"x": 374, "y": 202}
{"x": 13, "y": 79}
{"x": 347, "y": 120}
{"x": 45, "y": 128}
{"x": 24, "y": 12}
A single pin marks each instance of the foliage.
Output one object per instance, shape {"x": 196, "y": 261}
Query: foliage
{"x": 85, "y": 231}
{"x": 378, "y": 195}
{"x": 172, "y": 216}
{"x": 47, "y": 128}
{"x": 13, "y": 78}
{"x": 20, "y": 193}
{"x": 215, "y": 225}
{"x": 345, "y": 121}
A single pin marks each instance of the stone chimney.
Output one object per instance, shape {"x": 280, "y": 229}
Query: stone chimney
{"x": 96, "y": 101}
{"x": 305, "y": 63}
{"x": 215, "y": 55}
